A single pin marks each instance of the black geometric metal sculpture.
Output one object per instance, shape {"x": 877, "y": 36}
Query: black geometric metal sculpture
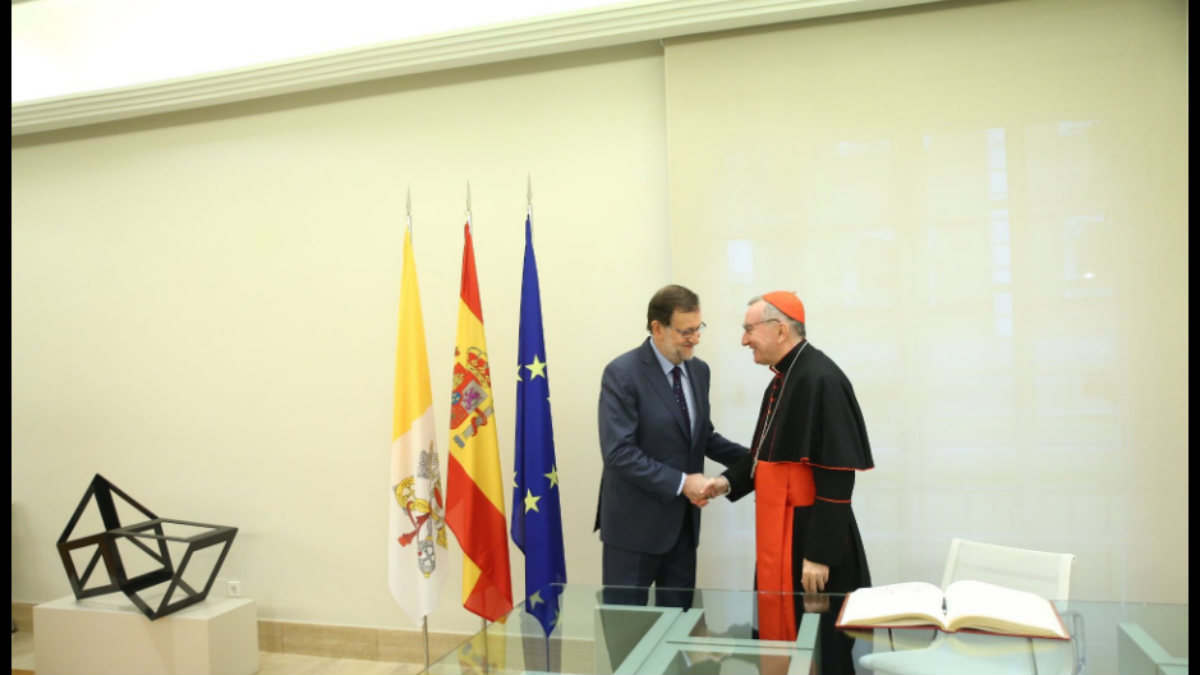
{"x": 152, "y": 531}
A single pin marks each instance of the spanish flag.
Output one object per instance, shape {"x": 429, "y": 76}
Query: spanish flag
{"x": 474, "y": 492}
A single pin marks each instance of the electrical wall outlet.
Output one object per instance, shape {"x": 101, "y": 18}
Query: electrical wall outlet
{"x": 234, "y": 588}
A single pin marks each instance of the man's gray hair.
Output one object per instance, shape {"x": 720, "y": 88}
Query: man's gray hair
{"x": 772, "y": 312}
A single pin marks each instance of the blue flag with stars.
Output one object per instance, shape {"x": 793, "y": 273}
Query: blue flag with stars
{"x": 536, "y": 514}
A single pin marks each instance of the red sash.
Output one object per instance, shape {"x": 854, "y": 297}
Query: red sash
{"x": 779, "y": 488}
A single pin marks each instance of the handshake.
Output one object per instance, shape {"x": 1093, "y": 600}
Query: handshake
{"x": 700, "y": 489}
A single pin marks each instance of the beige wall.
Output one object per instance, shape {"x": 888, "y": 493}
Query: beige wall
{"x": 983, "y": 207}
{"x": 204, "y": 304}
{"x": 205, "y": 307}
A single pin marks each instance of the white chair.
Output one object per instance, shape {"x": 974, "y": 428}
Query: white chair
{"x": 1047, "y": 574}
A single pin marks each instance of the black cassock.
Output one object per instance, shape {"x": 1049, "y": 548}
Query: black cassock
{"x": 809, "y": 442}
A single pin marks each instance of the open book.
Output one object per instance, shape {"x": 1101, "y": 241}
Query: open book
{"x": 965, "y": 605}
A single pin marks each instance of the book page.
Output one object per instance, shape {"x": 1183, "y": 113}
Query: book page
{"x": 912, "y": 603}
{"x": 975, "y": 604}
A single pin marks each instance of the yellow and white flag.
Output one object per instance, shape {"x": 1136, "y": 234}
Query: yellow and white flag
{"x": 417, "y": 528}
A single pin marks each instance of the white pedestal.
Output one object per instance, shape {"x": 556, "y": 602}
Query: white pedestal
{"x": 108, "y": 635}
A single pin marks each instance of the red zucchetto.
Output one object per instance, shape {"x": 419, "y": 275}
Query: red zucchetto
{"x": 786, "y": 302}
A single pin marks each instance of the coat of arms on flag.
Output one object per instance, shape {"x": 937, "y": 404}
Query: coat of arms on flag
{"x": 472, "y": 382}
{"x": 421, "y": 512}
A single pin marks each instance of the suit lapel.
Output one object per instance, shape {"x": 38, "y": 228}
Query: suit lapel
{"x": 699, "y": 384}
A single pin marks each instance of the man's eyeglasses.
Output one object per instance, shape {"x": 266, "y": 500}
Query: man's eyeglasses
{"x": 747, "y": 327}
{"x": 691, "y": 332}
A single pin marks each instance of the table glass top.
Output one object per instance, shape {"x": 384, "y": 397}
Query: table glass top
{"x": 595, "y": 629}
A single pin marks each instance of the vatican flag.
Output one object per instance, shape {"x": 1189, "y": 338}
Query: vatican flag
{"x": 417, "y": 530}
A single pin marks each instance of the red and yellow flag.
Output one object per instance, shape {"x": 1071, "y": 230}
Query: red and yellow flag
{"x": 474, "y": 490}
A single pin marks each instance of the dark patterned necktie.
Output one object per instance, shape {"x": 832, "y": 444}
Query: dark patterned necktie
{"x": 678, "y": 389}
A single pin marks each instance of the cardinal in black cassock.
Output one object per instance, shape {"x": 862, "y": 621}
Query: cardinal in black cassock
{"x": 809, "y": 443}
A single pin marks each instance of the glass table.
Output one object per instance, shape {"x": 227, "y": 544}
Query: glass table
{"x": 604, "y": 630}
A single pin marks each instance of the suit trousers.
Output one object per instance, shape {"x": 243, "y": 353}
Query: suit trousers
{"x": 673, "y": 573}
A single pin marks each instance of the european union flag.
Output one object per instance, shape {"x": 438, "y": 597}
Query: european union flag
{"x": 536, "y": 513}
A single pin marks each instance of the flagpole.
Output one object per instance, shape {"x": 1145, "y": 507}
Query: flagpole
{"x": 408, "y": 223}
{"x": 485, "y": 644}
{"x": 475, "y": 461}
{"x": 534, "y": 452}
{"x": 482, "y": 621}
{"x": 529, "y": 214}
{"x": 425, "y": 632}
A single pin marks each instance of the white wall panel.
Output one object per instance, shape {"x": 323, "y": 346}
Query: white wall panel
{"x": 982, "y": 206}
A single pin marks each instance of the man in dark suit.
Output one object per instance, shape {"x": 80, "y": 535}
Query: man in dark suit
{"x": 655, "y": 430}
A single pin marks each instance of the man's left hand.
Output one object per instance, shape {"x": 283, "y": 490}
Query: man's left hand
{"x": 814, "y": 576}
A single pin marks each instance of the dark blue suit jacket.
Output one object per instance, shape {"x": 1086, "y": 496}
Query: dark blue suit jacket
{"x": 646, "y": 448}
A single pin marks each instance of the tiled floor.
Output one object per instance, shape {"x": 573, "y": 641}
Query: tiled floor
{"x": 269, "y": 663}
